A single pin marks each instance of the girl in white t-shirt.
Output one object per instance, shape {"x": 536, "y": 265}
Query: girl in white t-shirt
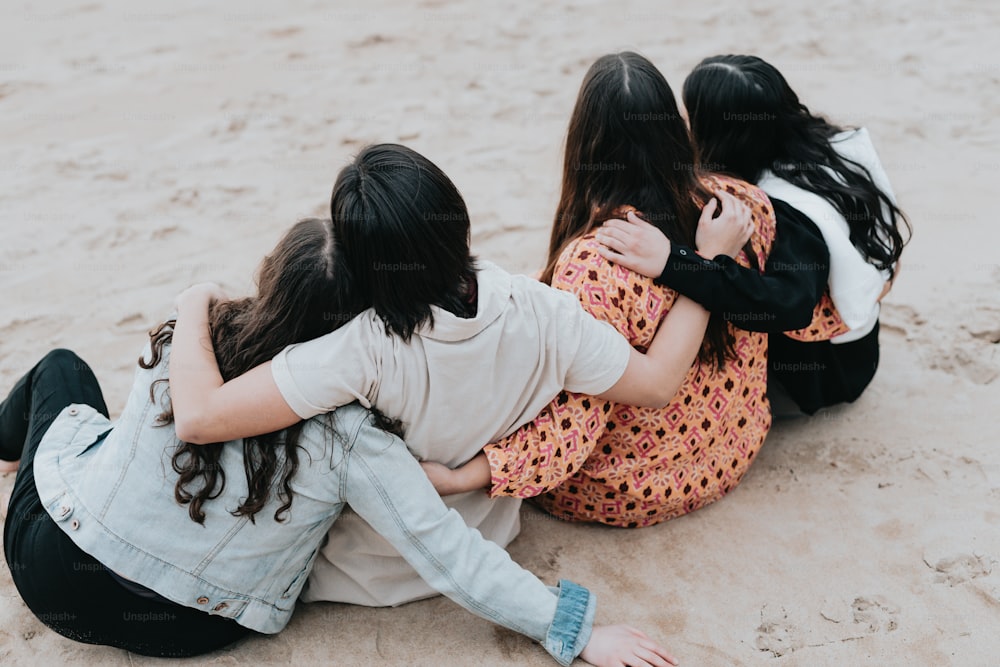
{"x": 459, "y": 352}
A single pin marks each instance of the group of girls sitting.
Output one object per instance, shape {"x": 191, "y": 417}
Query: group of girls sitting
{"x": 712, "y": 268}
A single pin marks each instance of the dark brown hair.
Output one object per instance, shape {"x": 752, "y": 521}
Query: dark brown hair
{"x": 303, "y": 292}
{"x": 627, "y": 144}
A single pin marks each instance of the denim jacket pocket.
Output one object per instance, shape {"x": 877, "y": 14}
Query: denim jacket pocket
{"x": 98, "y": 439}
{"x": 290, "y": 595}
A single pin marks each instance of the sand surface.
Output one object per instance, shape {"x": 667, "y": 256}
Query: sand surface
{"x": 149, "y": 147}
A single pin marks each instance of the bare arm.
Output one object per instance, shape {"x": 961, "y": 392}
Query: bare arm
{"x": 475, "y": 474}
{"x": 206, "y": 409}
{"x": 652, "y": 379}
{"x": 535, "y": 458}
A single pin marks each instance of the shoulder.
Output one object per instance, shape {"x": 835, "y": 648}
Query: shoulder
{"x": 582, "y": 263}
{"x": 363, "y": 329}
{"x": 606, "y": 290}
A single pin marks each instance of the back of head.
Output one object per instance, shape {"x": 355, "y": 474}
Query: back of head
{"x": 405, "y": 229}
{"x": 626, "y": 144}
{"x": 737, "y": 106}
{"x": 745, "y": 119}
{"x": 303, "y": 291}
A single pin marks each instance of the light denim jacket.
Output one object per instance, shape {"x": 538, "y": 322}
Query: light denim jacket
{"x": 112, "y": 490}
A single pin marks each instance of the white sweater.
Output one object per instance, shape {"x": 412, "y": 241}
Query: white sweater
{"x": 855, "y": 285}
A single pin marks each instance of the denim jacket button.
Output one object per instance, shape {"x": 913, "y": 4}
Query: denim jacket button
{"x": 64, "y": 510}
{"x": 74, "y": 524}
{"x": 202, "y": 600}
{"x": 72, "y": 412}
{"x": 220, "y": 607}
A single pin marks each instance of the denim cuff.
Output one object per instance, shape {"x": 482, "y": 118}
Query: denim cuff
{"x": 573, "y": 622}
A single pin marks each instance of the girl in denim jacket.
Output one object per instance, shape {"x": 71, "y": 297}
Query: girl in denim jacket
{"x": 124, "y": 535}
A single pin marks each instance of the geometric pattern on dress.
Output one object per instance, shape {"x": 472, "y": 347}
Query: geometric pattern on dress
{"x": 826, "y": 322}
{"x": 621, "y": 465}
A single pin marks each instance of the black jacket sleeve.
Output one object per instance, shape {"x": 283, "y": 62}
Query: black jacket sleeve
{"x": 781, "y": 298}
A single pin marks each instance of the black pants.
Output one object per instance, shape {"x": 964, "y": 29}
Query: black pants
{"x": 820, "y": 374}
{"x": 67, "y": 589}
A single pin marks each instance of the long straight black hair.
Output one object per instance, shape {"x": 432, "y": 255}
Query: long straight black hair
{"x": 627, "y": 144}
{"x": 405, "y": 231}
{"x": 745, "y": 118}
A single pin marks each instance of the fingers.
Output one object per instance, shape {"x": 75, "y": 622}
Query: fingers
{"x": 662, "y": 658}
{"x": 619, "y": 237}
{"x": 615, "y": 223}
{"x": 647, "y": 653}
{"x": 645, "y": 658}
{"x": 613, "y": 240}
{"x": 708, "y": 212}
{"x": 609, "y": 254}
{"x": 728, "y": 199}
{"x": 630, "y": 224}
{"x": 732, "y": 205}
{"x": 736, "y": 212}
{"x": 636, "y": 220}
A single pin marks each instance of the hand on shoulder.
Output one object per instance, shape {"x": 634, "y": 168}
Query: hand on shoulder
{"x": 201, "y": 293}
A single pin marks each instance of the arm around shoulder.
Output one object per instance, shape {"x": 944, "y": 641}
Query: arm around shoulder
{"x": 207, "y": 409}
{"x": 652, "y": 379}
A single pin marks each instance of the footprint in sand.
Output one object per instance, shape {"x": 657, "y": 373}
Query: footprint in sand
{"x": 990, "y": 335}
{"x": 983, "y": 324}
{"x": 545, "y": 561}
{"x": 865, "y": 615}
{"x": 776, "y": 635}
{"x": 185, "y": 197}
{"x": 901, "y": 319}
{"x": 876, "y": 614}
{"x": 958, "y": 569}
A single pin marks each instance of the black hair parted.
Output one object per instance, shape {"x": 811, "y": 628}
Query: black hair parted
{"x": 405, "y": 231}
{"x": 745, "y": 119}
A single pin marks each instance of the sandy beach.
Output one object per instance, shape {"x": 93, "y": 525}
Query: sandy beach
{"x": 149, "y": 147}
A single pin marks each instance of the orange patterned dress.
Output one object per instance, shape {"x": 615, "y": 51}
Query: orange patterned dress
{"x": 591, "y": 460}
{"x": 826, "y": 323}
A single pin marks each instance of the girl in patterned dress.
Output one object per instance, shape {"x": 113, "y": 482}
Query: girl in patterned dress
{"x": 586, "y": 459}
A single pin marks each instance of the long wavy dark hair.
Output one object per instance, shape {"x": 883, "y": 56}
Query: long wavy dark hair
{"x": 627, "y": 144}
{"x": 745, "y": 118}
{"x": 303, "y": 291}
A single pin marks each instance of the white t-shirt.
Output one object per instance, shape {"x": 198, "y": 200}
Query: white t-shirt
{"x": 455, "y": 385}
